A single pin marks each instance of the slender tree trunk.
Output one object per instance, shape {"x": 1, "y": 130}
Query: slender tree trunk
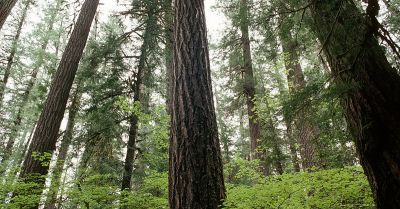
{"x": 277, "y": 152}
{"x": 45, "y": 136}
{"x": 195, "y": 166}
{"x": 306, "y": 131}
{"x": 292, "y": 147}
{"x": 62, "y": 155}
{"x": 273, "y": 140}
{"x": 29, "y": 88}
{"x": 13, "y": 51}
{"x": 134, "y": 119}
{"x": 249, "y": 84}
{"x": 373, "y": 98}
{"x": 5, "y": 9}
{"x": 224, "y": 137}
{"x": 283, "y": 90}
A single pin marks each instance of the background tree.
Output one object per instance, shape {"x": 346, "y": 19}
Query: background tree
{"x": 5, "y": 9}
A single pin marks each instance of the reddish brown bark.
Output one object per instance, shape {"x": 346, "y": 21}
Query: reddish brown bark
{"x": 249, "y": 84}
{"x": 195, "y": 165}
{"x": 45, "y": 136}
{"x": 306, "y": 132}
{"x": 62, "y": 155}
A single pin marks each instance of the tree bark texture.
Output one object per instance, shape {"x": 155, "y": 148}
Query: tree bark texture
{"x": 5, "y": 9}
{"x": 306, "y": 132}
{"x": 62, "y": 155}
{"x": 45, "y": 136}
{"x": 195, "y": 165}
{"x": 373, "y": 98}
{"x": 249, "y": 84}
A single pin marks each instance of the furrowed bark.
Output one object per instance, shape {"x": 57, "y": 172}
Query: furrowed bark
{"x": 372, "y": 100}
{"x": 306, "y": 131}
{"x": 195, "y": 165}
{"x": 45, "y": 136}
{"x": 62, "y": 155}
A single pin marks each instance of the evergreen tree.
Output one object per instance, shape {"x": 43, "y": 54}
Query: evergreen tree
{"x": 372, "y": 99}
{"x": 45, "y": 137}
{"x": 195, "y": 169}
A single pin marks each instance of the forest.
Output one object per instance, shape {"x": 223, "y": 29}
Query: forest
{"x": 199, "y": 104}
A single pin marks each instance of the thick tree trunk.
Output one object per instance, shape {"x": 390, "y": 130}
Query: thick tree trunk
{"x": 45, "y": 136}
{"x": 13, "y": 51}
{"x": 5, "y": 10}
{"x": 249, "y": 84}
{"x": 28, "y": 90}
{"x": 373, "y": 98}
{"x": 195, "y": 166}
{"x": 306, "y": 131}
{"x": 62, "y": 155}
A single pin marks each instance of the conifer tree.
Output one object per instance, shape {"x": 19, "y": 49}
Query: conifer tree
{"x": 45, "y": 136}
{"x": 195, "y": 168}
{"x": 372, "y": 98}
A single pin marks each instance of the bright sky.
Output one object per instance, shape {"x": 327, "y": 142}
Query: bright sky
{"x": 215, "y": 20}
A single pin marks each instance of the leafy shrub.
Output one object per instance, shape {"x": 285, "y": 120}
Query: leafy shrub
{"x": 242, "y": 172}
{"x": 335, "y": 188}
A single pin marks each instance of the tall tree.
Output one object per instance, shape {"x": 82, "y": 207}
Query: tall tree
{"x": 305, "y": 130}
{"x": 249, "y": 84}
{"x": 195, "y": 165}
{"x": 62, "y": 154}
{"x": 45, "y": 136}
{"x": 39, "y": 61}
{"x": 142, "y": 73}
{"x": 13, "y": 51}
{"x": 372, "y": 98}
{"x": 5, "y": 10}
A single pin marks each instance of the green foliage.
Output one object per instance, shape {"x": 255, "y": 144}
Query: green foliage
{"x": 242, "y": 172}
{"x": 20, "y": 193}
{"x": 96, "y": 193}
{"x": 337, "y": 188}
{"x": 136, "y": 200}
{"x": 44, "y": 158}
